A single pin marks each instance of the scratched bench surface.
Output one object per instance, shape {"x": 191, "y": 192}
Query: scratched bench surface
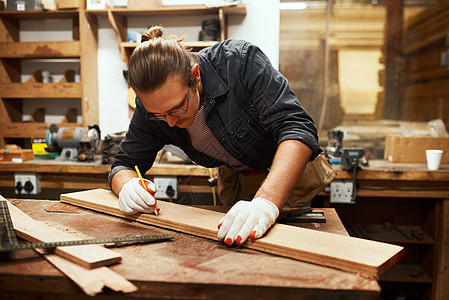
{"x": 186, "y": 265}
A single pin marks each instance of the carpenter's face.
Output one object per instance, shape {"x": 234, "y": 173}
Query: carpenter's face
{"x": 174, "y": 102}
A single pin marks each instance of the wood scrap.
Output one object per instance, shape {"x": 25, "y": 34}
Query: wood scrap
{"x": 88, "y": 256}
{"x": 91, "y": 281}
{"x": 346, "y": 253}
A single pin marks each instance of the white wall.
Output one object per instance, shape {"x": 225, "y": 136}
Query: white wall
{"x": 260, "y": 26}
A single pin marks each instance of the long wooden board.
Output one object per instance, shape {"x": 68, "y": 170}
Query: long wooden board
{"x": 88, "y": 256}
{"x": 346, "y": 253}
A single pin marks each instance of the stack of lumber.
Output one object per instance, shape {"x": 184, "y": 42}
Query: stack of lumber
{"x": 426, "y": 81}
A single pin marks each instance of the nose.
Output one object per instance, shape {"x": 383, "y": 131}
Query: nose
{"x": 171, "y": 120}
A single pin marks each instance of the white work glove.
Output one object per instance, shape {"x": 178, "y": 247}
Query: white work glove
{"x": 135, "y": 198}
{"x": 247, "y": 219}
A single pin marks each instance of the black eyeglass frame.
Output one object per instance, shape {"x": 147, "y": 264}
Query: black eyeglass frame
{"x": 161, "y": 117}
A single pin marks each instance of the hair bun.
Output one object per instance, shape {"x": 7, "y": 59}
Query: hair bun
{"x": 152, "y": 33}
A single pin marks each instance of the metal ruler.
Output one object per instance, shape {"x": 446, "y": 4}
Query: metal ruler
{"x": 9, "y": 242}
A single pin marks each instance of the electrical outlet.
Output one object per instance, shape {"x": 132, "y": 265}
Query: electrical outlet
{"x": 166, "y": 186}
{"x": 29, "y": 183}
{"x": 341, "y": 191}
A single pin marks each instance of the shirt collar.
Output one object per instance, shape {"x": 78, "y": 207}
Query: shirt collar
{"x": 213, "y": 85}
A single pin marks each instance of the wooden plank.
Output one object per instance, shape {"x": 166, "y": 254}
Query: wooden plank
{"x": 89, "y": 74}
{"x": 172, "y": 11}
{"x": 435, "y": 88}
{"x": 38, "y": 14}
{"x": 42, "y": 90}
{"x": 91, "y": 281}
{"x": 430, "y": 30}
{"x": 9, "y": 31}
{"x": 351, "y": 254}
{"x": 40, "y": 49}
{"x": 393, "y": 59}
{"x": 28, "y": 130}
{"x": 442, "y": 263}
{"x": 88, "y": 256}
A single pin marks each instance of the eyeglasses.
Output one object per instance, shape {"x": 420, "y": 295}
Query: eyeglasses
{"x": 160, "y": 117}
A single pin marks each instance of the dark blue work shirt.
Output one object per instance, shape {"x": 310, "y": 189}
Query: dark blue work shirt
{"x": 249, "y": 108}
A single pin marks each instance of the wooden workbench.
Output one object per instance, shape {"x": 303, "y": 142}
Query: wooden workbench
{"x": 395, "y": 197}
{"x": 402, "y": 194}
{"x": 187, "y": 267}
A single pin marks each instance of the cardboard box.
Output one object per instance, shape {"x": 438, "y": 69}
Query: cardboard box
{"x": 413, "y": 149}
{"x": 16, "y": 155}
{"x": 71, "y": 4}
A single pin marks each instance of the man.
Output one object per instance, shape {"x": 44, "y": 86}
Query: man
{"x": 225, "y": 106}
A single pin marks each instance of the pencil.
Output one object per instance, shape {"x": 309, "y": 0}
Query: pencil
{"x": 145, "y": 187}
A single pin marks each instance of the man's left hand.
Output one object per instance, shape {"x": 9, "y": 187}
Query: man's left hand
{"x": 247, "y": 219}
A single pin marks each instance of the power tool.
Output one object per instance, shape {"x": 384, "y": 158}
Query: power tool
{"x": 350, "y": 161}
{"x": 73, "y": 142}
{"x": 333, "y": 151}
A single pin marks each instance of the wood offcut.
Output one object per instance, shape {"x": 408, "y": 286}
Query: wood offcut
{"x": 88, "y": 256}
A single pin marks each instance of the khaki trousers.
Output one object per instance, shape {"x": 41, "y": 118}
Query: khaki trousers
{"x": 234, "y": 186}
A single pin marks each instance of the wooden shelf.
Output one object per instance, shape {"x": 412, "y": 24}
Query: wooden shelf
{"x": 29, "y": 130}
{"x": 118, "y": 18}
{"x": 127, "y": 48}
{"x": 40, "y": 49}
{"x": 173, "y": 11}
{"x": 42, "y": 90}
{"x": 39, "y": 14}
{"x": 406, "y": 273}
{"x": 190, "y": 44}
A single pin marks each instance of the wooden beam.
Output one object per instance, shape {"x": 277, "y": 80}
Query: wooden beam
{"x": 88, "y": 256}
{"x": 442, "y": 261}
{"x": 393, "y": 59}
{"x": 346, "y": 253}
{"x": 89, "y": 72}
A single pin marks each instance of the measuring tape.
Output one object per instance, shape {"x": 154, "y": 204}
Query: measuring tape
{"x": 9, "y": 242}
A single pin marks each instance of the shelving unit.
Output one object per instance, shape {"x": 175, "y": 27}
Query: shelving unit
{"x": 118, "y": 19}
{"x": 13, "y": 91}
{"x": 83, "y": 46}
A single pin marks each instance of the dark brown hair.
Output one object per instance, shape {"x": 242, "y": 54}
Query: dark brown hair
{"x": 156, "y": 58}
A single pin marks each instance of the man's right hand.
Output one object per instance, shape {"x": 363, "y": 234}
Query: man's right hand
{"x": 135, "y": 198}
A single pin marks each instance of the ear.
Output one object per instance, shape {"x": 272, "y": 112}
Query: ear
{"x": 196, "y": 73}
